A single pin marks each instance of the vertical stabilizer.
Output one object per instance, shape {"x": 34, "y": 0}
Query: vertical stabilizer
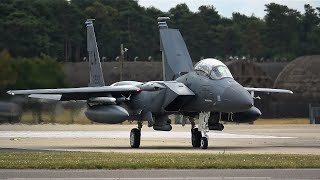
{"x": 96, "y": 75}
{"x": 175, "y": 55}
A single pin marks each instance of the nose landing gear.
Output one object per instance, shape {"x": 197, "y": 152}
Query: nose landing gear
{"x": 204, "y": 143}
{"x": 199, "y": 136}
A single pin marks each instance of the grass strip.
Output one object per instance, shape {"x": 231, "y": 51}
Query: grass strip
{"x": 90, "y": 160}
{"x": 283, "y": 121}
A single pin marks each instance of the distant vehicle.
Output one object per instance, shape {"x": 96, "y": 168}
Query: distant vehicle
{"x": 10, "y": 112}
{"x": 207, "y": 92}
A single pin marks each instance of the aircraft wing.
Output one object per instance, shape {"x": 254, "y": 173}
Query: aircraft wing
{"x": 268, "y": 90}
{"x": 83, "y": 93}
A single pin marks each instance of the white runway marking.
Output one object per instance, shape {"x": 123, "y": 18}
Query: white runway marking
{"x": 123, "y": 134}
{"x": 167, "y": 178}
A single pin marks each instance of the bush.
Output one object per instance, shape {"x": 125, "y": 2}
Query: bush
{"x": 7, "y": 73}
{"x": 38, "y": 72}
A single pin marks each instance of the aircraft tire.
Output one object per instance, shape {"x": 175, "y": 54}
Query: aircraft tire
{"x": 222, "y": 127}
{"x": 204, "y": 143}
{"x": 135, "y": 137}
{"x": 195, "y": 138}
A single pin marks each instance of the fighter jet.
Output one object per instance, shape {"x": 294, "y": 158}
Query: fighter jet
{"x": 206, "y": 92}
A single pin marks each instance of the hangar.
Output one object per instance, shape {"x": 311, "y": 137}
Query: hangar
{"x": 302, "y": 76}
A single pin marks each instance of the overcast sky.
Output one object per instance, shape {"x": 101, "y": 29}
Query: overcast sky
{"x": 226, "y": 7}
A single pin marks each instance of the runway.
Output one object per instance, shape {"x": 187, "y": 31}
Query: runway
{"x": 258, "y": 139}
{"x": 202, "y": 174}
{"x": 123, "y": 134}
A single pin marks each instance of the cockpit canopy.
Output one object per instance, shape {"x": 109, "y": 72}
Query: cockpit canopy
{"x": 213, "y": 68}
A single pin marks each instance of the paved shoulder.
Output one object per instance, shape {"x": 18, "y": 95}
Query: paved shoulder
{"x": 166, "y": 174}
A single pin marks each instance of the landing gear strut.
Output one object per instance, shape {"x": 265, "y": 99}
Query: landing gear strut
{"x": 199, "y": 136}
{"x": 135, "y": 136}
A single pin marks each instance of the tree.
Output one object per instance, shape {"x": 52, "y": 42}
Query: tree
{"x": 209, "y": 15}
{"x": 310, "y": 39}
{"x": 250, "y": 34}
{"x": 66, "y": 29}
{"x": 281, "y": 31}
{"x": 56, "y": 28}
{"x": 38, "y": 72}
{"x": 7, "y": 74}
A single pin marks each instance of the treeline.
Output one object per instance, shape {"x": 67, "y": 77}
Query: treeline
{"x": 29, "y": 73}
{"x": 56, "y": 28}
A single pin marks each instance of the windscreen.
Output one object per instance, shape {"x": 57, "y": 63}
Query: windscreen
{"x": 219, "y": 72}
{"x": 213, "y": 69}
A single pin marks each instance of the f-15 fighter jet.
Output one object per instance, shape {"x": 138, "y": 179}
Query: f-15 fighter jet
{"x": 206, "y": 92}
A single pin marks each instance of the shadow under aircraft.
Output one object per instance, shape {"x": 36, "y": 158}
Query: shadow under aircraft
{"x": 206, "y": 92}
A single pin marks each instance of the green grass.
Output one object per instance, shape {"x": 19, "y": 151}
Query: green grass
{"x": 283, "y": 121}
{"x": 85, "y": 160}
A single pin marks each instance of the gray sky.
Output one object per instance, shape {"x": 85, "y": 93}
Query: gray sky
{"x": 226, "y": 7}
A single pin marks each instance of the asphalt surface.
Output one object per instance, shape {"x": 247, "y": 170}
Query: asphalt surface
{"x": 202, "y": 174}
{"x": 258, "y": 139}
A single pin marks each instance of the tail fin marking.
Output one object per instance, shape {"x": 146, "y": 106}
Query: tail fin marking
{"x": 96, "y": 75}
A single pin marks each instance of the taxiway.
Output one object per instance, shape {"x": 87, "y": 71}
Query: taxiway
{"x": 169, "y": 174}
{"x": 277, "y": 139}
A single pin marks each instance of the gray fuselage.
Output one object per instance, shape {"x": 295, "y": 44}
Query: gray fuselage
{"x": 223, "y": 95}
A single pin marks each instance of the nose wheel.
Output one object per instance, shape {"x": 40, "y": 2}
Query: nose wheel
{"x": 197, "y": 140}
{"x": 199, "y": 136}
{"x": 204, "y": 143}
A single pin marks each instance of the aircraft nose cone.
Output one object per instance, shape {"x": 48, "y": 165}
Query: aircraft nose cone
{"x": 236, "y": 99}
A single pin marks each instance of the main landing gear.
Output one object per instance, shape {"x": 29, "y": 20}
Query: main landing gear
{"x": 195, "y": 138}
{"x": 135, "y": 136}
{"x": 199, "y": 136}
